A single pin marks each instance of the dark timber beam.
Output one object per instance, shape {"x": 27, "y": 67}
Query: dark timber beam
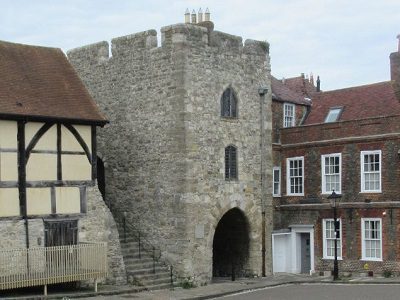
{"x": 22, "y": 177}
{"x": 94, "y": 151}
{"x": 80, "y": 140}
{"x": 36, "y": 139}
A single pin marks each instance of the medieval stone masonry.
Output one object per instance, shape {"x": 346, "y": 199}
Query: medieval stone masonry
{"x": 181, "y": 169}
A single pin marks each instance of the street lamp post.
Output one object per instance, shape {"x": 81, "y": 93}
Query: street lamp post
{"x": 334, "y": 199}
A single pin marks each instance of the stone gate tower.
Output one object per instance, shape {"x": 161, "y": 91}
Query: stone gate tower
{"x": 182, "y": 153}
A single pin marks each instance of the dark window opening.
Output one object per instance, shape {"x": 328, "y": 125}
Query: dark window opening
{"x": 229, "y": 104}
{"x": 230, "y": 163}
{"x": 60, "y": 233}
{"x": 101, "y": 178}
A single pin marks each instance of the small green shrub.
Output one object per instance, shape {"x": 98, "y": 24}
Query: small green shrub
{"x": 187, "y": 283}
{"x": 387, "y": 273}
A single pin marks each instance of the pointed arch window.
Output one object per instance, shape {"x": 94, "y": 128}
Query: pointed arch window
{"x": 230, "y": 163}
{"x": 229, "y": 104}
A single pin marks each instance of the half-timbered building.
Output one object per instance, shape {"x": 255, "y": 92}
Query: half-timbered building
{"x": 48, "y": 159}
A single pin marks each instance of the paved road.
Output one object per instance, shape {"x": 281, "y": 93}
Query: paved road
{"x": 323, "y": 292}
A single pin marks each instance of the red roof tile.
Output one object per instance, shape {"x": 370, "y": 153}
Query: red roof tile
{"x": 301, "y": 85}
{"x": 361, "y": 102}
{"x": 39, "y": 83}
{"x": 281, "y": 92}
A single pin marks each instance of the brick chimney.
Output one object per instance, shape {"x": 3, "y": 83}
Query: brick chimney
{"x": 395, "y": 64}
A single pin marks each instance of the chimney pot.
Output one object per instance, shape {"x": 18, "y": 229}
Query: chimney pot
{"x": 187, "y": 16}
{"x": 193, "y": 17}
{"x": 318, "y": 84}
{"x": 398, "y": 46}
{"x": 207, "y": 15}
{"x": 200, "y": 16}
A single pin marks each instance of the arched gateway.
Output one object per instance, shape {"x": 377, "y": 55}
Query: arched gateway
{"x": 231, "y": 245}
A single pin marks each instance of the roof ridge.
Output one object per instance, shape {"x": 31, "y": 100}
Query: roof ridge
{"x": 354, "y": 87}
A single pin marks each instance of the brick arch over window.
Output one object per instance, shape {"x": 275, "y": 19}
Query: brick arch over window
{"x": 231, "y": 163}
{"x": 229, "y": 103}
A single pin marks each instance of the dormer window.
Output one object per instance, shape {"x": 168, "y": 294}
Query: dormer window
{"x": 333, "y": 114}
{"x": 229, "y": 104}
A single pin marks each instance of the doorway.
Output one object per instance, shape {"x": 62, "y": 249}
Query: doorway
{"x": 231, "y": 245}
{"x": 305, "y": 253}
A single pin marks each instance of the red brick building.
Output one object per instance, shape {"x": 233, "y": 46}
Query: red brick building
{"x": 346, "y": 140}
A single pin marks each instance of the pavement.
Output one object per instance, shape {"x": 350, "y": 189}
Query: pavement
{"x": 218, "y": 288}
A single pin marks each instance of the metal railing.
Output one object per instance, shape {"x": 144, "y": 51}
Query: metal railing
{"x": 129, "y": 230}
{"x": 25, "y": 267}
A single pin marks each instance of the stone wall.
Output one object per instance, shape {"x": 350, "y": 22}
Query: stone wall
{"x": 164, "y": 148}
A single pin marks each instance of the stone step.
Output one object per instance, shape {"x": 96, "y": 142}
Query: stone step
{"x": 151, "y": 281}
{"x": 149, "y": 271}
{"x": 139, "y": 265}
{"x": 135, "y": 255}
{"x": 138, "y": 261}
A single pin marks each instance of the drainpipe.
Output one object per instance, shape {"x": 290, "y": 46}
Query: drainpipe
{"x": 262, "y": 91}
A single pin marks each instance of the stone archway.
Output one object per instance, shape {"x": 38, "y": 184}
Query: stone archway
{"x": 231, "y": 245}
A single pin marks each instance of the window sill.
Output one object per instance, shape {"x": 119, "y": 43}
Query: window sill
{"x": 230, "y": 119}
{"x": 232, "y": 180}
{"x": 277, "y": 196}
{"x": 371, "y": 192}
{"x": 294, "y": 195}
{"x": 371, "y": 259}
{"x": 332, "y": 258}
{"x": 329, "y": 193}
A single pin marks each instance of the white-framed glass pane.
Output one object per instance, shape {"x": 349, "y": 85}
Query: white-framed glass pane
{"x": 295, "y": 175}
{"x": 371, "y": 171}
{"x": 276, "y": 181}
{"x": 288, "y": 115}
{"x": 329, "y": 239}
{"x": 331, "y": 173}
{"x": 372, "y": 239}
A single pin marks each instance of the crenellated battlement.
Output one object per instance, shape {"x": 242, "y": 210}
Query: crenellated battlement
{"x": 140, "y": 41}
{"x": 98, "y": 52}
{"x": 178, "y": 35}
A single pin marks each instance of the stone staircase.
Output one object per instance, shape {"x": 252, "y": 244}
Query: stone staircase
{"x": 143, "y": 268}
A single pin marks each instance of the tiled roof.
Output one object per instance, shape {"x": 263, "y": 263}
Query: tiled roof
{"x": 361, "y": 102}
{"x": 301, "y": 85}
{"x": 39, "y": 83}
{"x": 281, "y": 92}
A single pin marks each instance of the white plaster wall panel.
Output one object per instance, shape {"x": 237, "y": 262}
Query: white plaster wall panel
{"x": 70, "y": 143}
{"x": 68, "y": 200}
{"x": 9, "y": 202}
{"x": 38, "y": 201}
{"x": 47, "y": 142}
{"x": 41, "y": 167}
{"x": 8, "y": 134}
{"x": 76, "y": 167}
{"x": 8, "y": 167}
{"x": 86, "y": 133}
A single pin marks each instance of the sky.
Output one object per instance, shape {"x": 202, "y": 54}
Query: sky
{"x": 347, "y": 43}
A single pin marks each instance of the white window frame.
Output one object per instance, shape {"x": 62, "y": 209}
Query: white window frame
{"x": 278, "y": 194}
{"x": 363, "y": 250}
{"x": 323, "y": 175}
{"x": 286, "y": 115}
{"x": 301, "y": 158}
{"x": 363, "y": 190}
{"x": 324, "y": 240}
